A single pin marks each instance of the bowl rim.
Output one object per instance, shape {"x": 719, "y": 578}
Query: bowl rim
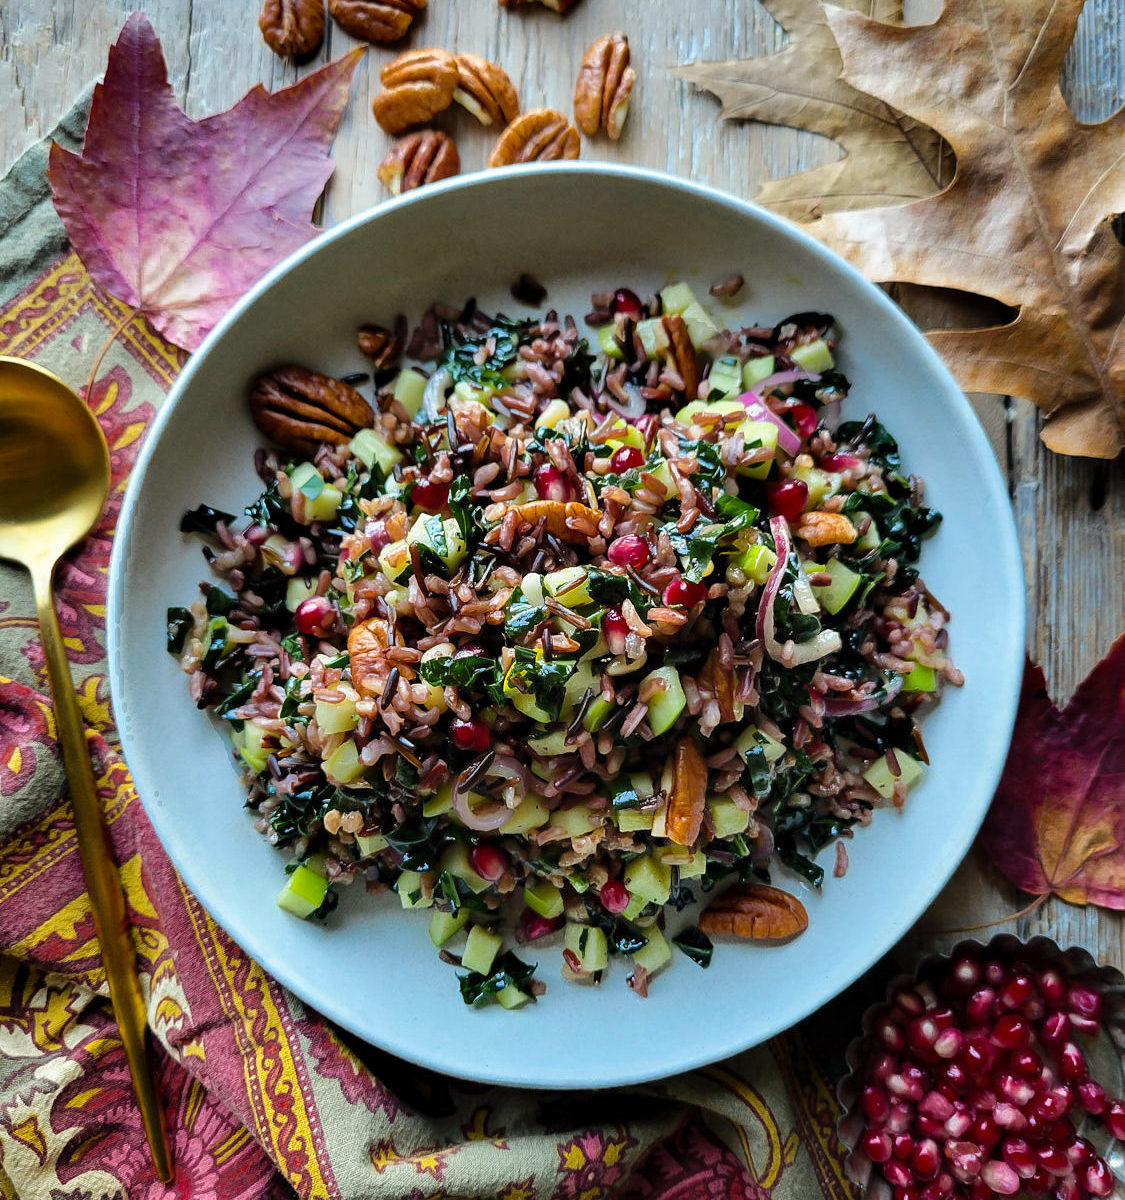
{"x": 1006, "y": 551}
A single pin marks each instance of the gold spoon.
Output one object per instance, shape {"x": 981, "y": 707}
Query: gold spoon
{"x": 54, "y": 479}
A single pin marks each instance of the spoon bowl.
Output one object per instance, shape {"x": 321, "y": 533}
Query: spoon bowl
{"x": 54, "y": 479}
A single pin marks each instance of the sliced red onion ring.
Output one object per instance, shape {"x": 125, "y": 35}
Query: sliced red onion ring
{"x": 756, "y": 407}
{"x": 827, "y": 641}
{"x": 780, "y": 378}
{"x": 632, "y": 410}
{"x": 433, "y": 394}
{"x": 492, "y": 814}
{"x": 848, "y": 708}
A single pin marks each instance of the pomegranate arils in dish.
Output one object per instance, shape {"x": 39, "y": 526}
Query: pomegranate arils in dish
{"x": 315, "y": 617}
{"x": 550, "y": 483}
{"x": 994, "y": 1118}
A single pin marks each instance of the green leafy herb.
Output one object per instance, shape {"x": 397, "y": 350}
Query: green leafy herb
{"x": 543, "y": 680}
{"x": 180, "y": 622}
{"x": 459, "y": 894}
{"x": 508, "y": 971}
{"x": 522, "y": 618}
{"x": 204, "y": 519}
{"x": 461, "y": 355}
{"x": 218, "y": 602}
{"x": 288, "y": 710}
{"x": 460, "y": 504}
{"x": 240, "y": 694}
{"x": 472, "y": 672}
{"x": 830, "y": 388}
{"x": 622, "y": 937}
{"x": 216, "y": 643}
{"x": 695, "y": 944}
{"x": 697, "y": 547}
{"x": 576, "y": 369}
{"x": 418, "y": 843}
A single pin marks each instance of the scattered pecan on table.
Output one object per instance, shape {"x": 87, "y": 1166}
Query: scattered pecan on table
{"x": 538, "y": 135}
{"x": 485, "y": 90}
{"x": 417, "y": 159}
{"x": 380, "y": 21}
{"x": 417, "y": 86}
{"x": 292, "y": 28}
{"x": 605, "y": 82}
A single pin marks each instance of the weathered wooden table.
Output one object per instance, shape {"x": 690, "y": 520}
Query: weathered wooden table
{"x": 1071, "y": 513}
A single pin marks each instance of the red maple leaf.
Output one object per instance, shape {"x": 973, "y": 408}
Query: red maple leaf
{"x": 178, "y": 218}
{"x": 1057, "y": 822}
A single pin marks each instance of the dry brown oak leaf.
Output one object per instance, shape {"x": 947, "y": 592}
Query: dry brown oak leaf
{"x": 1027, "y": 218}
{"x": 887, "y": 156}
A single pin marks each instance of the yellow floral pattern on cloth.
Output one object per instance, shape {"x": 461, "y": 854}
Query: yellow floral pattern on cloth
{"x": 264, "y": 1097}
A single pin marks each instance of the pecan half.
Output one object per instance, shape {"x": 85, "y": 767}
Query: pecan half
{"x": 367, "y": 648}
{"x": 561, "y": 517}
{"x": 688, "y": 796}
{"x": 605, "y": 81}
{"x": 559, "y": 6}
{"x": 825, "y": 529}
{"x": 538, "y": 135}
{"x": 298, "y": 408}
{"x": 680, "y": 355}
{"x": 375, "y": 20}
{"x": 417, "y": 159}
{"x": 753, "y": 910}
{"x": 485, "y": 90}
{"x": 417, "y": 86}
{"x": 292, "y": 28}
{"x": 382, "y": 346}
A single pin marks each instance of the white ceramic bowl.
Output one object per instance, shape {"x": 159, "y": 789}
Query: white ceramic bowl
{"x": 579, "y": 229}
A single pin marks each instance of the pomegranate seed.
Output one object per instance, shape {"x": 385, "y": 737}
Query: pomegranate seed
{"x": 1011, "y": 1032}
{"x": 997, "y": 973}
{"x": 616, "y": 630}
{"x": 472, "y": 736}
{"x": 787, "y": 497}
{"x": 1072, "y": 1063}
{"x": 979, "y": 1190}
{"x": 953, "y": 1076}
{"x": 533, "y": 926}
{"x": 1008, "y": 1116}
{"x": 1055, "y": 1030}
{"x": 1034, "y": 1009}
{"x": 1038, "y": 1128}
{"x": 897, "y": 1174}
{"x": 1091, "y": 1096}
{"x": 959, "y": 1125}
{"x": 1115, "y": 1119}
{"x": 625, "y": 458}
{"x": 983, "y": 1100}
{"x": 876, "y": 1144}
{"x": 550, "y": 483}
{"x": 1085, "y": 1002}
{"x": 685, "y": 594}
{"x": 929, "y": 1126}
{"x": 1069, "y": 1189}
{"x": 965, "y": 1159}
{"x": 488, "y": 861}
{"x": 1026, "y": 1063}
{"x": 883, "y": 1066}
{"x": 805, "y": 422}
{"x": 1012, "y": 1087}
{"x": 1019, "y": 1155}
{"x": 925, "y": 1162}
{"x": 934, "y": 1104}
{"x": 1017, "y": 992}
{"x": 1086, "y": 1025}
{"x": 965, "y": 973}
{"x": 1000, "y": 1177}
{"x": 1052, "y": 988}
{"x": 315, "y": 617}
{"x": 614, "y": 896}
{"x": 929, "y": 996}
{"x": 1055, "y": 1104}
{"x": 940, "y": 1189}
{"x": 943, "y": 1018}
{"x": 902, "y": 1146}
{"x": 979, "y": 1007}
{"x": 909, "y": 1000}
{"x": 256, "y": 534}
{"x": 1053, "y": 1159}
{"x": 839, "y": 462}
{"x": 1038, "y": 1182}
{"x": 901, "y": 1116}
{"x": 978, "y": 1056}
{"x": 876, "y": 1104}
{"x": 905, "y": 1193}
{"x": 429, "y": 495}
{"x": 1080, "y": 1151}
{"x": 985, "y": 1131}
{"x": 626, "y": 303}
{"x": 1098, "y": 1178}
{"x": 922, "y": 1032}
{"x": 629, "y": 551}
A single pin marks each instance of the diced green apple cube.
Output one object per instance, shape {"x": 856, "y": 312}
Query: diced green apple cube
{"x": 343, "y": 765}
{"x": 649, "y": 879}
{"x": 920, "y": 679}
{"x": 531, "y": 814}
{"x": 409, "y": 387}
{"x": 511, "y": 997}
{"x": 668, "y": 701}
{"x": 727, "y": 819}
{"x": 444, "y": 925}
{"x": 758, "y": 435}
{"x": 569, "y": 586}
{"x": 544, "y": 898}
{"x": 676, "y": 297}
{"x": 481, "y": 949}
{"x": 655, "y": 954}
{"x": 883, "y": 780}
{"x": 752, "y": 736}
{"x": 589, "y": 943}
{"x": 411, "y": 892}
{"x": 813, "y": 356}
{"x": 373, "y": 449}
{"x": 303, "y": 893}
{"x": 340, "y": 717}
{"x": 754, "y": 370}
{"x": 833, "y": 596}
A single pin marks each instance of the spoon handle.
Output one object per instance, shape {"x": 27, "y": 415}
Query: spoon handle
{"x": 102, "y": 880}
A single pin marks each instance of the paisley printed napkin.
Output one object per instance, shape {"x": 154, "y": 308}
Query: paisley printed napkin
{"x": 264, "y": 1097}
